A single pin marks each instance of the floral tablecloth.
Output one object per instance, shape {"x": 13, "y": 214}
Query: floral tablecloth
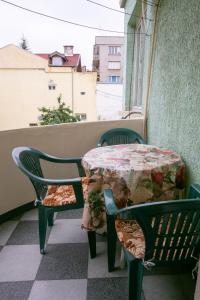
{"x": 136, "y": 173}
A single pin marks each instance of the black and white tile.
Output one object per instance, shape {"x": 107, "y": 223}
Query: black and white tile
{"x": 66, "y": 270}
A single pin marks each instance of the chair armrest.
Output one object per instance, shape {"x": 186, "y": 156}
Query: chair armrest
{"x": 57, "y": 159}
{"x": 194, "y": 191}
{"x": 66, "y": 160}
{"x": 71, "y": 181}
{"x": 111, "y": 208}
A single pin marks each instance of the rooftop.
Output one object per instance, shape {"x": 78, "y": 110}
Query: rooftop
{"x": 70, "y": 61}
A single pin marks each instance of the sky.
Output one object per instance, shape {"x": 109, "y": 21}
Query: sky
{"x": 45, "y": 35}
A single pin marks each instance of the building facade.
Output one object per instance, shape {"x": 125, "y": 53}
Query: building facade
{"x": 30, "y": 81}
{"x": 108, "y": 63}
{"x": 109, "y": 101}
{"x": 108, "y": 59}
{"x": 169, "y": 74}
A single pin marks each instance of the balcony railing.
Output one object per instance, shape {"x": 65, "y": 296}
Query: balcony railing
{"x": 72, "y": 139}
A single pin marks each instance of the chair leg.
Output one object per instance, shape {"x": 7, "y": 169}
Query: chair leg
{"x": 42, "y": 227}
{"x": 111, "y": 242}
{"x": 50, "y": 217}
{"x": 135, "y": 278}
{"x": 92, "y": 243}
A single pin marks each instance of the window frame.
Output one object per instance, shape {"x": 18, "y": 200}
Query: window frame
{"x": 118, "y": 79}
{"x": 114, "y": 50}
{"x": 82, "y": 116}
{"x": 51, "y": 85}
{"x": 138, "y": 65}
{"x": 112, "y": 67}
{"x": 56, "y": 57}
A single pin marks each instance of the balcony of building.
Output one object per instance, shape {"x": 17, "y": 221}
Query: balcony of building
{"x": 66, "y": 271}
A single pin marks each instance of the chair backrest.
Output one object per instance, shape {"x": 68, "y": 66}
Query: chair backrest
{"x": 171, "y": 228}
{"x": 119, "y": 136}
{"x": 28, "y": 161}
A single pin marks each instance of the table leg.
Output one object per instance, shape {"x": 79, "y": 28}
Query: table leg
{"x": 92, "y": 243}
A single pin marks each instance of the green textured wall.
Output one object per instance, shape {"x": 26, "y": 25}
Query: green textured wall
{"x": 174, "y": 104}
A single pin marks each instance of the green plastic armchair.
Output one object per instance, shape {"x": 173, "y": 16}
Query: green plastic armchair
{"x": 52, "y": 195}
{"x": 119, "y": 136}
{"x": 160, "y": 233}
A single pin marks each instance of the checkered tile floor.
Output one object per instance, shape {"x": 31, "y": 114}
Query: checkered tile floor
{"x": 66, "y": 271}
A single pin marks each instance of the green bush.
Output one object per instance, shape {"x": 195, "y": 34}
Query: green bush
{"x": 61, "y": 114}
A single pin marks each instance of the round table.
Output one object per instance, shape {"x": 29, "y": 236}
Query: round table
{"x": 136, "y": 173}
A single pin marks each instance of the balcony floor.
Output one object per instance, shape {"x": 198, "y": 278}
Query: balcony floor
{"x": 66, "y": 271}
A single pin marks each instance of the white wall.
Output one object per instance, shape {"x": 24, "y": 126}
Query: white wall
{"x": 109, "y": 101}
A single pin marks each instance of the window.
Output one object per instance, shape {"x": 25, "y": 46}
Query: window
{"x": 114, "y": 65}
{"x": 57, "y": 61}
{"x": 114, "y": 79}
{"x": 114, "y": 50}
{"x": 33, "y": 124}
{"x": 83, "y": 117}
{"x": 52, "y": 85}
{"x": 138, "y": 67}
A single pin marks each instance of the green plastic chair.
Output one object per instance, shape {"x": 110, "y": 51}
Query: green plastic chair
{"x": 119, "y": 136}
{"x": 171, "y": 231}
{"x": 28, "y": 161}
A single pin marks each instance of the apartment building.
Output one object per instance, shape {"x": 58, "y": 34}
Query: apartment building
{"x": 108, "y": 59}
{"x": 108, "y": 63}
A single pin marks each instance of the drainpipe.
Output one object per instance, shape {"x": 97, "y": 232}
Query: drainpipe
{"x": 150, "y": 71}
{"x": 73, "y": 89}
{"x": 143, "y": 16}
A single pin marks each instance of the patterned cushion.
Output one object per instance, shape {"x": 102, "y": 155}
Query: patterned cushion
{"x": 63, "y": 194}
{"x": 131, "y": 236}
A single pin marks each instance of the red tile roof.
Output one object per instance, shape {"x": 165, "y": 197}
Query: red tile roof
{"x": 71, "y": 61}
{"x": 43, "y": 55}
